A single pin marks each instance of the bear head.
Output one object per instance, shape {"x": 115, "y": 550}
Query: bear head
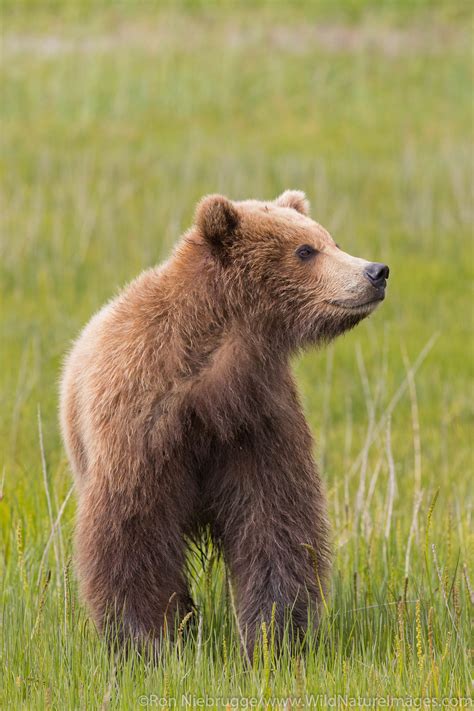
{"x": 282, "y": 272}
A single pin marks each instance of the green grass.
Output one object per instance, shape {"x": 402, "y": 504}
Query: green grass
{"x": 115, "y": 121}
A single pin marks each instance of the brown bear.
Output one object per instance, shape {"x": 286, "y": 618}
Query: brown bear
{"x": 179, "y": 414}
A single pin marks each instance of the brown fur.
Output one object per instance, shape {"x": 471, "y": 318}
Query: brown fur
{"x": 179, "y": 411}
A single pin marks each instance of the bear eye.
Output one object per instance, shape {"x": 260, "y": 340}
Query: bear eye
{"x": 305, "y": 251}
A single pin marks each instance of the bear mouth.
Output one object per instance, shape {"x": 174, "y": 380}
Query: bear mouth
{"x": 354, "y": 305}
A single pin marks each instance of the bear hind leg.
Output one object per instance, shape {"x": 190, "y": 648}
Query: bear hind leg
{"x": 131, "y": 569}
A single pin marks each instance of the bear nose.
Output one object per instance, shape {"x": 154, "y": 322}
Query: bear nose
{"x": 377, "y": 273}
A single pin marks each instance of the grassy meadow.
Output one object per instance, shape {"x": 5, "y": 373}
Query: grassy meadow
{"x": 116, "y": 119}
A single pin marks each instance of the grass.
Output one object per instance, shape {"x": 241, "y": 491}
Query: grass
{"x": 116, "y": 119}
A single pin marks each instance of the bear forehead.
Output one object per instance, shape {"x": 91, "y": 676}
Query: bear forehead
{"x": 267, "y": 212}
{"x": 261, "y": 206}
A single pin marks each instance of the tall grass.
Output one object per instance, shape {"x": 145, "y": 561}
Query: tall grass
{"x": 114, "y": 123}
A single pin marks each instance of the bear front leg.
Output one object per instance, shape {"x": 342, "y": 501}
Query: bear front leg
{"x": 130, "y": 560}
{"x": 270, "y": 520}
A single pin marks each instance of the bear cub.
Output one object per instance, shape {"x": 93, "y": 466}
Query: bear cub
{"x": 179, "y": 414}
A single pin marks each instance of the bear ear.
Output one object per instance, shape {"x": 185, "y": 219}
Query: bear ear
{"x": 295, "y": 199}
{"x": 217, "y": 219}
